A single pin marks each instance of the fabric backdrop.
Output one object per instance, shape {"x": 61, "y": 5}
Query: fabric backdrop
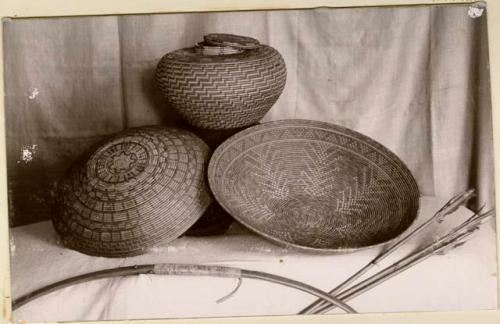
{"x": 413, "y": 78}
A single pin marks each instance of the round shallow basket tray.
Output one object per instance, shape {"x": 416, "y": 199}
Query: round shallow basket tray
{"x": 313, "y": 186}
{"x": 142, "y": 186}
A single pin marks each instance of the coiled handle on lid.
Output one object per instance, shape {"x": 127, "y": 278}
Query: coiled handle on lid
{"x": 226, "y": 44}
{"x": 236, "y": 41}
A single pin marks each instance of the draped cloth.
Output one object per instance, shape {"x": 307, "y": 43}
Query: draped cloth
{"x": 413, "y": 78}
{"x": 462, "y": 279}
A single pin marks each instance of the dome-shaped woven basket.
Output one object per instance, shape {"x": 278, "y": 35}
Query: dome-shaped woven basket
{"x": 218, "y": 85}
{"x": 313, "y": 186}
{"x": 142, "y": 186}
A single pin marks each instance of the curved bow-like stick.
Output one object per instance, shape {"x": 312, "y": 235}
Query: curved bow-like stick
{"x": 182, "y": 269}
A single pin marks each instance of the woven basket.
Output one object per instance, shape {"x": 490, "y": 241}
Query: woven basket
{"x": 218, "y": 85}
{"x": 142, "y": 186}
{"x": 313, "y": 186}
{"x": 215, "y": 221}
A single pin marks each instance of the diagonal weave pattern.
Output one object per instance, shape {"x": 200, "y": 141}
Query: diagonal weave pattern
{"x": 222, "y": 91}
{"x": 140, "y": 187}
{"x": 215, "y": 220}
{"x": 314, "y": 185}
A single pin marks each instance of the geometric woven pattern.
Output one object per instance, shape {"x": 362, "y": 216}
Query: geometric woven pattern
{"x": 215, "y": 220}
{"x": 222, "y": 91}
{"x": 313, "y": 185}
{"x": 142, "y": 186}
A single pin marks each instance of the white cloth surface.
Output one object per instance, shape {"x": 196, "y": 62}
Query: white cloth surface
{"x": 463, "y": 279}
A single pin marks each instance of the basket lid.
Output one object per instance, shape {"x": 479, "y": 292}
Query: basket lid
{"x": 236, "y": 41}
{"x": 140, "y": 187}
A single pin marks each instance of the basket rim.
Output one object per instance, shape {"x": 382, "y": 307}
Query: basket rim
{"x": 211, "y": 170}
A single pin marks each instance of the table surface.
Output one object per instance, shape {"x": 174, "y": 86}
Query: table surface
{"x": 462, "y": 279}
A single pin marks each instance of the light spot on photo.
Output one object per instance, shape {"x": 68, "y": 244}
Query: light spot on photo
{"x": 27, "y": 153}
{"x": 34, "y": 92}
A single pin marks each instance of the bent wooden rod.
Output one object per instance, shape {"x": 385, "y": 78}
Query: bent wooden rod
{"x": 180, "y": 270}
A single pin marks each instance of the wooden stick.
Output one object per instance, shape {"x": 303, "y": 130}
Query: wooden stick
{"x": 452, "y": 239}
{"x": 388, "y": 273}
{"x": 182, "y": 269}
{"x": 452, "y": 205}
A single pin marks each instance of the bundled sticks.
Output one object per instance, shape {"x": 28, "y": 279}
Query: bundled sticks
{"x": 454, "y": 238}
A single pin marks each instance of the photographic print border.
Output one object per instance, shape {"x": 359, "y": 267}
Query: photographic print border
{"x": 54, "y": 8}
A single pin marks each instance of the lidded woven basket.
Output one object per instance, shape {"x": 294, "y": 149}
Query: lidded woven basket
{"x": 313, "y": 186}
{"x": 140, "y": 187}
{"x": 226, "y": 81}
